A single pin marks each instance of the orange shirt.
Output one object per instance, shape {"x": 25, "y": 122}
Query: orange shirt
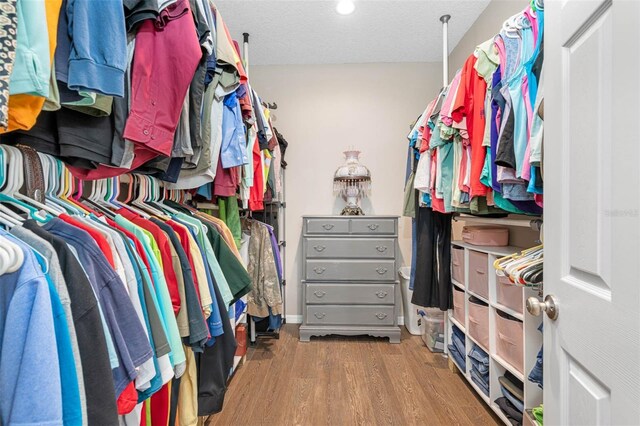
{"x": 24, "y": 109}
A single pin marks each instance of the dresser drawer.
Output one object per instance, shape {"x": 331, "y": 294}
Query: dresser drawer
{"x": 373, "y": 226}
{"x": 350, "y": 270}
{"x": 351, "y": 294}
{"x": 350, "y": 315}
{"x": 327, "y": 226}
{"x": 349, "y": 248}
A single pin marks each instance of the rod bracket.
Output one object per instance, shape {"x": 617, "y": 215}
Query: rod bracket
{"x": 445, "y": 18}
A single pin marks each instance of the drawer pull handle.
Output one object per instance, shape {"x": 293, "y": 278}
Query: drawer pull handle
{"x": 381, "y": 294}
{"x": 320, "y": 315}
{"x": 319, "y": 249}
{"x": 381, "y": 316}
{"x": 373, "y": 226}
{"x": 381, "y": 271}
{"x": 381, "y": 249}
{"x": 319, "y": 293}
{"x": 328, "y": 226}
{"x": 318, "y": 270}
{"x": 480, "y": 271}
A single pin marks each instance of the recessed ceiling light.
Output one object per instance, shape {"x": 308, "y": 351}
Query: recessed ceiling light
{"x": 345, "y": 7}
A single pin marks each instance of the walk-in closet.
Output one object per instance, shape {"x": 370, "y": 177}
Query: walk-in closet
{"x": 319, "y": 212}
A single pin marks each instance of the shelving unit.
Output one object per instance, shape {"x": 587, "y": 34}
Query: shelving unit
{"x": 532, "y": 338}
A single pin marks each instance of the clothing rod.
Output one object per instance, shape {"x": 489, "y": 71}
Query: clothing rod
{"x": 209, "y": 206}
{"x": 534, "y": 224}
{"x": 445, "y": 49}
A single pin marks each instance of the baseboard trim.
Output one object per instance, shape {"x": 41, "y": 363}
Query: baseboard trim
{"x": 294, "y": 319}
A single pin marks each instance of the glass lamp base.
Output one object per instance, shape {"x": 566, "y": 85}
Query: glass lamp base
{"x": 352, "y": 211}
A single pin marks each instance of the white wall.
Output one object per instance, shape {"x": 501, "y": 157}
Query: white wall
{"x": 325, "y": 109}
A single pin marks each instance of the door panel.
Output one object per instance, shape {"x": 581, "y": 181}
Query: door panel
{"x": 592, "y": 219}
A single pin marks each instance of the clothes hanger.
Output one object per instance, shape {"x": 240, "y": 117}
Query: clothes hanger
{"x": 14, "y": 217}
{"x": 14, "y": 253}
{"x": 57, "y": 183}
{"x": 144, "y": 190}
{"x": 19, "y": 176}
{"x": 129, "y": 201}
{"x": 13, "y": 182}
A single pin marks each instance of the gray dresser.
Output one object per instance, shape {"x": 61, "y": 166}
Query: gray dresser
{"x": 349, "y": 276}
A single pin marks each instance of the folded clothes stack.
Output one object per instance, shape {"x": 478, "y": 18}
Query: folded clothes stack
{"x": 480, "y": 368}
{"x": 511, "y": 402}
{"x": 456, "y": 349}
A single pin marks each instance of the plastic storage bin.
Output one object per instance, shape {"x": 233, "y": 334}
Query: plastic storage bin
{"x": 458, "y": 304}
{"x": 410, "y": 310}
{"x": 509, "y": 295}
{"x": 509, "y": 341}
{"x": 478, "y": 273}
{"x": 432, "y": 328}
{"x": 493, "y": 236}
{"x": 479, "y": 322}
{"x": 457, "y": 264}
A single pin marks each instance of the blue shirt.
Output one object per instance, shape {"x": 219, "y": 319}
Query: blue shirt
{"x": 130, "y": 339}
{"x": 234, "y": 139}
{"x": 30, "y": 382}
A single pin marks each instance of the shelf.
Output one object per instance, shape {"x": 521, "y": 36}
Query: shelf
{"x": 508, "y": 311}
{"x": 509, "y": 367}
{"x": 497, "y": 251}
{"x": 484, "y": 299}
{"x": 457, "y": 284}
{"x": 500, "y": 414}
{"x": 532, "y": 223}
{"x": 477, "y": 343}
{"x": 456, "y": 323}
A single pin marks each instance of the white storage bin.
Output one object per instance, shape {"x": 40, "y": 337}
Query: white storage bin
{"x": 410, "y": 310}
{"x": 432, "y": 328}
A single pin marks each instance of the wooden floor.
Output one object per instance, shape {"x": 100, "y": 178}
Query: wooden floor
{"x": 346, "y": 381}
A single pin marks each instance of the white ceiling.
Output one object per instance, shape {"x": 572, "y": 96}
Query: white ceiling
{"x": 311, "y": 32}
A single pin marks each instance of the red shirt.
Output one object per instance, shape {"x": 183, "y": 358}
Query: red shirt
{"x": 256, "y": 193}
{"x": 97, "y": 236}
{"x": 470, "y": 103}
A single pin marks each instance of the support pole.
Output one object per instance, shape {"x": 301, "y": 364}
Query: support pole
{"x": 445, "y": 49}
{"x": 245, "y": 52}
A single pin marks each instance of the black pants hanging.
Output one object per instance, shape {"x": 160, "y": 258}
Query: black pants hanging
{"x": 432, "y": 285}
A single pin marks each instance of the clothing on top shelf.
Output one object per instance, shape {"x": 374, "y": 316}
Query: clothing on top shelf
{"x": 134, "y": 303}
{"x": 166, "y": 94}
{"x": 476, "y": 146}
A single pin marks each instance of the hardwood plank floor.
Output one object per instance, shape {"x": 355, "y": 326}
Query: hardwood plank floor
{"x": 346, "y": 381}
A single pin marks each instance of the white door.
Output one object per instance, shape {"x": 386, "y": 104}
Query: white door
{"x": 592, "y": 204}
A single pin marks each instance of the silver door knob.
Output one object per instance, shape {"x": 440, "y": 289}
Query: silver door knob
{"x": 535, "y": 307}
